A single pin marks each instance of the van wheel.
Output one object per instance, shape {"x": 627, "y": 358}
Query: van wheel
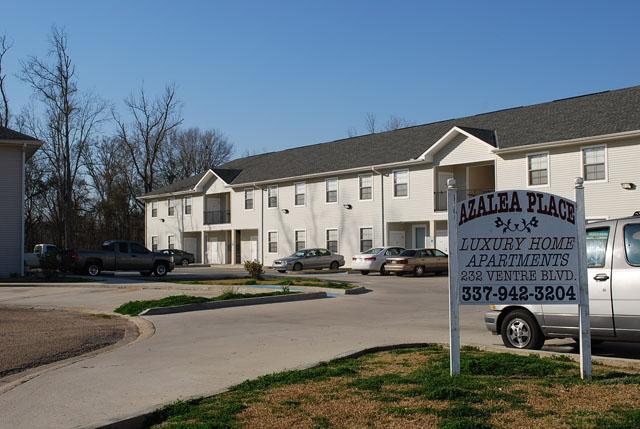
{"x": 520, "y": 330}
{"x": 297, "y": 266}
{"x": 334, "y": 265}
{"x": 419, "y": 271}
{"x": 160, "y": 270}
{"x": 93, "y": 269}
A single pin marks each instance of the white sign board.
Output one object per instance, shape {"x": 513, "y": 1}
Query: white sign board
{"x": 517, "y": 247}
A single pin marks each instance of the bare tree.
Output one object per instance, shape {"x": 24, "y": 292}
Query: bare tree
{"x": 395, "y": 122}
{"x": 71, "y": 119}
{"x": 4, "y": 109}
{"x": 370, "y": 122}
{"x": 352, "y": 132}
{"x": 145, "y": 135}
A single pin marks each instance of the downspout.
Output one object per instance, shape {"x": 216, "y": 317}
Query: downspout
{"x": 261, "y": 235}
{"x": 22, "y": 200}
{"x": 384, "y": 232}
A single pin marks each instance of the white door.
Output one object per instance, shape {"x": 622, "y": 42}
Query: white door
{"x": 442, "y": 240}
{"x": 253, "y": 240}
{"x": 216, "y": 250}
{"x": 191, "y": 246}
{"x": 396, "y": 238}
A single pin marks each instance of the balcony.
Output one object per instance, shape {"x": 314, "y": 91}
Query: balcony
{"x": 216, "y": 217}
{"x": 463, "y": 194}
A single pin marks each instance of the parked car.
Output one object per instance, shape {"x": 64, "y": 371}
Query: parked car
{"x": 122, "y": 255}
{"x": 309, "y": 259}
{"x": 180, "y": 256}
{"x": 613, "y": 261}
{"x": 374, "y": 259}
{"x": 418, "y": 262}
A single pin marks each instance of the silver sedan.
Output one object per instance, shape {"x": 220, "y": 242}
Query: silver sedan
{"x": 309, "y": 259}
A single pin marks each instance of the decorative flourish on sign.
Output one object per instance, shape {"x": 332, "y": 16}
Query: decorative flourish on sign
{"x": 516, "y": 226}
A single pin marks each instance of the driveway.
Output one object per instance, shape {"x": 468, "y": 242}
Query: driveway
{"x": 202, "y": 353}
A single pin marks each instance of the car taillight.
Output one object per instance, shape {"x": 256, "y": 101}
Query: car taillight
{"x": 370, "y": 258}
{"x": 354, "y": 258}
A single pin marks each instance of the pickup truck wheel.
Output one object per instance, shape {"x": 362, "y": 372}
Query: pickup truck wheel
{"x": 160, "y": 270}
{"x": 520, "y": 330}
{"x": 334, "y": 265}
{"x": 93, "y": 269}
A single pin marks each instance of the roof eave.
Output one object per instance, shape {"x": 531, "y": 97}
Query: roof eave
{"x": 31, "y": 145}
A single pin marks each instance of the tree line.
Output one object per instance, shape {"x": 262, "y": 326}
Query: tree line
{"x": 81, "y": 186}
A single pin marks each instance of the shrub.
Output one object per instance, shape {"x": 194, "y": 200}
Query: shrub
{"x": 254, "y": 268}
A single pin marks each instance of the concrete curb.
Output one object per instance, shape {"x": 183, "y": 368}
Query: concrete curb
{"x": 212, "y": 305}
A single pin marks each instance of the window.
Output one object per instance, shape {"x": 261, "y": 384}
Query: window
{"x": 272, "y": 195}
{"x": 401, "y": 183}
{"x": 632, "y": 243}
{"x": 594, "y": 163}
{"x": 137, "y": 248}
{"x": 300, "y": 191}
{"x": 170, "y": 242}
{"x": 154, "y": 244}
{"x": 109, "y": 247}
{"x": 123, "y": 247}
{"x": 394, "y": 251}
{"x": 597, "y": 246}
{"x": 332, "y": 240}
{"x": 331, "y": 189}
{"x": 366, "y": 239}
{"x": 248, "y": 199}
{"x": 154, "y": 209}
{"x": 323, "y": 252}
{"x": 187, "y": 205}
{"x": 439, "y": 253}
{"x": 301, "y": 239}
{"x": 538, "y": 169}
{"x": 171, "y": 207}
{"x": 272, "y": 238}
{"x": 366, "y": 186}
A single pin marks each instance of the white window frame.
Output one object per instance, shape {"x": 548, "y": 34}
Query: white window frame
{"x": 606, "y": 163}
{"x": 154, "y": 207}
{"x": 326, "y": 190}
{"x": 527, "y": 169}
{"x": 157, "y": 243}
{"x": 304, "y": 194}
{"x": 269, "y": 198}
{"x": 373, "y": 237}
{"x": 326, "y": 239}
{"x": 187, "y": 202}
{"x": 269, "y": 241}
{"x": 295, "y": 239}
{"x": 171, "y": 204}
{"x": 169, "y": 243}
{"x": 253, "y": 198}
{"x": 360, "y": 176}
{"x": 393, "y": 183}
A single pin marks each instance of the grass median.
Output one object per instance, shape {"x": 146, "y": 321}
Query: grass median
{"x": 275, "y": 281}
{"x": 412, "y": 388}
{"x": 133, "y": 308}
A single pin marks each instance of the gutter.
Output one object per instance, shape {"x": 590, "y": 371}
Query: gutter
{"x": 561, "y": 143}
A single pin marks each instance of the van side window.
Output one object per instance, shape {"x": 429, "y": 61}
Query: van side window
{"x": 597, "y": 246}
{"x": 632, "y": 243}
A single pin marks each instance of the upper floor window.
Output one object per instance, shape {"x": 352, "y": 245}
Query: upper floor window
{"x": 594, "y": 163}
{"x": 171, "y": 207}
{"x": 154, "y": 243}
{"x": 366, "y": 186}
{"x": 154, "y": 209}
{"x": 187, "y": 205}
{"x": 272, "y": 195}
{"x": 248, "y": 199}
{"x": 331, "y": 190}
{"x": 538, "y": 169}
{"x": 401, "y": 183}
{"x": 300, "y": 192}
{"x": 301, "y": 239}
{"x": 272, "y": 238}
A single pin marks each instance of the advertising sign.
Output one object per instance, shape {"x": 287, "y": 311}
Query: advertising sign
{"x": 517, "y": 247}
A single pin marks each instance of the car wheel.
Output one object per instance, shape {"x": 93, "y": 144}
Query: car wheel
{"x": 419, "y": 271}
{"x": 364, "y": 272}
{"x": 383, "y": 271}
{"x": 185, "y": 262}
{"x": 334, "y": 265}
{"x": 160, "y": 270}
{"x": 93, "y": 269}
{"x": 297, "y": 266}
{"x": 521, "y": 331}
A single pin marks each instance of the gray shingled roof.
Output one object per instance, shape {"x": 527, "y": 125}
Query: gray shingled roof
{"x": 9, "y": 134}
{"x": 584, "y": 116}
{"x": 177, "y": 186}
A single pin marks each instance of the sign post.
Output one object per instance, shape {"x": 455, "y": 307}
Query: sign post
{"x": 518, "y": 247}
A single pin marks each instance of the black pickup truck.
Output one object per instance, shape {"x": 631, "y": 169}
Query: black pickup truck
{"x": 121, "y": 255}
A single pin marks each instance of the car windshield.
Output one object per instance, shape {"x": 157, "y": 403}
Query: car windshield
{"x": 373, "y": 251}
{"x": 408, "y": 253}
{"x": 299, "y": 254}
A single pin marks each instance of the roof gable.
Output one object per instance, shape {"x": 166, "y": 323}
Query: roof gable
{"x": 474, "y": 134}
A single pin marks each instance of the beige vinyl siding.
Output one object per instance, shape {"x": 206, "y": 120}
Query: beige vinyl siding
{"x": 463, "y": 150}
{"x": 419, "y": 205}
{"x": 10, "y": 211}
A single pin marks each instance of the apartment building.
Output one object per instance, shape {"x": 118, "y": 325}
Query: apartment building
{"x": 389, "y": 188}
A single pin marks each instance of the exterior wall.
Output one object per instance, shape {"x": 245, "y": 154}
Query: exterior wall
{"x": 463, "y": 150}
{"x": 11, "y": 247}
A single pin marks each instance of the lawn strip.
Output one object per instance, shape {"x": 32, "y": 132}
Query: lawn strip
{"x": 288, "y": 281}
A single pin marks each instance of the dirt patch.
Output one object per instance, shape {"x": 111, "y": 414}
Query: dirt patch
{"x": 33, "y": 337}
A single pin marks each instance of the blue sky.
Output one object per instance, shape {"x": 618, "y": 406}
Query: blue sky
{"x": 279, "y": 74}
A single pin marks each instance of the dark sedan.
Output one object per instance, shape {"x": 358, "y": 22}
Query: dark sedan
{"x": 309, "y": 259}
{"x": 180, "y": 256}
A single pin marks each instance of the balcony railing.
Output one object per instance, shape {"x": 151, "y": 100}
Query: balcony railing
{"x": 463, "y": 194}
{"x": 217, "y": 217}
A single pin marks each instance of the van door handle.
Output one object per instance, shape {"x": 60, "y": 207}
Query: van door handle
{"x": 601, "y": 277}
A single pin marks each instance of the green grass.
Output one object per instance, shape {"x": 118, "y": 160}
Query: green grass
{"x": 133, "y": 308}
{"x": 288, "y": 281}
